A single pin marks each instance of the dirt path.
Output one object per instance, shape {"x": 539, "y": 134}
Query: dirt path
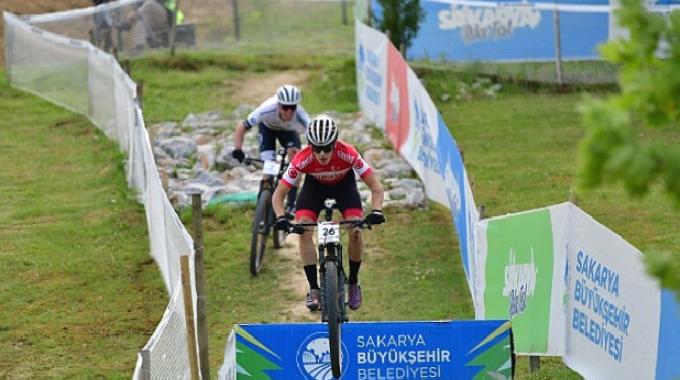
{"x": 296, "y": 284}
{"x": 253, "y": 91}
{"x": 256, "y": 89}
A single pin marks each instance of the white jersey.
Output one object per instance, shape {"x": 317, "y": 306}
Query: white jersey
{"x": 268, "y": 114}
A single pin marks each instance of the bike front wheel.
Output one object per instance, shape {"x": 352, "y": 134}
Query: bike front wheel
{"x": 278, "y": 236}
{"x": 258, "y": 242}
{"x": 333, "y": 316}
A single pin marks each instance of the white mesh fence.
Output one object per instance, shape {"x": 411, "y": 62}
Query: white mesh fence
{"x": 131, "y": 27}
{"x": 165, "y": 355}
{"x": 78, "y": 76}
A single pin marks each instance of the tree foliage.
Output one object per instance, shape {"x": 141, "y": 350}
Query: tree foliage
{"x": 400, "y": 20}
{"x": 612, "y": 150}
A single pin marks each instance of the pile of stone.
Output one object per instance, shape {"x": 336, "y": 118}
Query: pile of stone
{"x": 195, "y": 155}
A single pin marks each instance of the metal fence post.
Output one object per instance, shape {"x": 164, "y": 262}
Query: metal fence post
{"x": 534, "y": 363}
{"x": 199, "y": 267}
{"x": 140, "y": 93}
{"x": 369, "y": 14}
{"x": 237, "y": 20}
{"x": 9, "y": 43}
{"x": 173, "y": 28}
{"x": 558, "y": 46}
{"x": 343, "y": 5}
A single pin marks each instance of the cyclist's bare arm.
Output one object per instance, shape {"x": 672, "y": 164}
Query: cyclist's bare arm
{"x": 278, "y": 197}
{"x": 377, "y": 192}
{"x": 239, "y": 133}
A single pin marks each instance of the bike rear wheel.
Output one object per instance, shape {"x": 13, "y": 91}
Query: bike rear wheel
{"x": 333, "y": 315}
{"x": 258, "y": 242}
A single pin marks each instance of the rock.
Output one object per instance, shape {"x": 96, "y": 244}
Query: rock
{"x": 201, "y": 160}
{"x": 212, "y": 119}
{"x": 179, "y": 147}
{"x": 396, "y": 169}
{"x": 207, "y": 178}
{"x": 205, "y": 157}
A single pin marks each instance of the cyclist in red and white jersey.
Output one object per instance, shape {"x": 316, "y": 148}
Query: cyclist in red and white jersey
{"x": 330, "y": 166}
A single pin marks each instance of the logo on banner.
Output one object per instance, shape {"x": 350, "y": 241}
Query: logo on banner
{"x": 314, "y": 357}
{"x": 480, "y": 24}
{"x": 520, "y": 276}
{"x": 369, "y": 76}
{"x": 520, "y": 283}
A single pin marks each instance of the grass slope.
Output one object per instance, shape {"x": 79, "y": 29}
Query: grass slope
{"x": 78, "y": 291}
{"x": 519, "y": 148}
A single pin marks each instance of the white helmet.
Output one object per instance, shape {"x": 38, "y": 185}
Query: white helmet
{"x": 322, "y": 131}
{"x": 288, "y": 95}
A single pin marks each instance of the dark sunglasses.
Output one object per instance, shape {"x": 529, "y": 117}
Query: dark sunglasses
{"x": 325, "y": 148}
{"x": 287, "y": 107}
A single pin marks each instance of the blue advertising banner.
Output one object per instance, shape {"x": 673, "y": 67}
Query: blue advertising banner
{"x": 376, "y": 350}
{"x": 452, "y": 168}
{"x": 505, "y": 32}
{"x": 669, "y": 338}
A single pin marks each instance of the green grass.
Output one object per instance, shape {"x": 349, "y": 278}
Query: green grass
{"x": 78, "y": 291}
{"x": 66, "y": 235}
{"x": 197, "y": 82}
{"x": 281, "y": 27}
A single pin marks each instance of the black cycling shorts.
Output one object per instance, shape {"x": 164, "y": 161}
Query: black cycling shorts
{"x": 314, "y": 193}
{"x": 268, "y": 137}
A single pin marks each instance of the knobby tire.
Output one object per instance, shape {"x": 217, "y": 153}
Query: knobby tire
{"x": 277, "y": 235}
{"x": 333, "y": 315}
{"x": 258, "y": 241}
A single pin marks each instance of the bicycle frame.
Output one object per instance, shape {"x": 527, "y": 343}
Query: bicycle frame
{"x": 270, "y": 181}
{"x": 333, "y": 305}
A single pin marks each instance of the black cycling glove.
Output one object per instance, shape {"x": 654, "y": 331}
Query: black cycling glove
{"x": 282, "y": 223}
{"x": 238, "y": 154}
{"x": 375, "y": 217}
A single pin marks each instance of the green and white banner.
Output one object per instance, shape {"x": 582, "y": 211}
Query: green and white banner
{"x": 518, "y": 257}
{"x": 573, "y": 288}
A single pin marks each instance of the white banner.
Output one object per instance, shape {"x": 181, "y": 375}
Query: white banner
{"x": 420, "y": 148}
{"x": 519, "y": 267}
{"x": 371, "y": 59}
{"x": 613, "y": 306}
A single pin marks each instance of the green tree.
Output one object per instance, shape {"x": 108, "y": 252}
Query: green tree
{"x": 400, "y": 21}
{"x": 612, "y": 150}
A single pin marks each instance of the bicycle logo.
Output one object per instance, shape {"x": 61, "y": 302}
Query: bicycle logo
{"x": 314, "y": 357}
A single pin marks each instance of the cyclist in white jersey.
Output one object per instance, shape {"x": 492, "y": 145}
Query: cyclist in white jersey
{"x": 281, "y": 118}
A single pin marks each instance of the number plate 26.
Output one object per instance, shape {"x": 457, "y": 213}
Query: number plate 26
{"x": 328, "y": 232}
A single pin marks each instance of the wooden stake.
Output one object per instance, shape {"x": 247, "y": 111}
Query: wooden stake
{"x": 199, "y": 267}
{"x": 189, "y": 316}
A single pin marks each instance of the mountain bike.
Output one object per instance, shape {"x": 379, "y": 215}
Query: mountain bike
{"x": 333, "y": 302}
{"x": 263, "y": 220}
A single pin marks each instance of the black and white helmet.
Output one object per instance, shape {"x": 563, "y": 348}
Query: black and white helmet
{"x": 322, "y": 131}
{"x": 288, "y": 95}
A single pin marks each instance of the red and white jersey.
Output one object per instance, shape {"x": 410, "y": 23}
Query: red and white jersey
{"x": 344, "y": 158}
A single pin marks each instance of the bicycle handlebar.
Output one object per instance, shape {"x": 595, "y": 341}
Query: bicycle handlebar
{"x": 299, "y": 228}
{"x": 248, "y": 160}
